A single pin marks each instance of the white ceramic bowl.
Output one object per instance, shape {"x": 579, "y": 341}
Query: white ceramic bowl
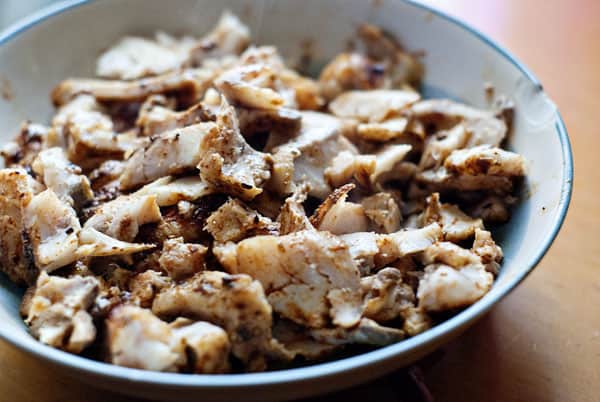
{"x": 64, "y": 40}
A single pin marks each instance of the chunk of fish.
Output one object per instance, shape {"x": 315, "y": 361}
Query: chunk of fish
{"x": 169, "y": 190}
{"x": 63, "y": 177}
{"x": 302, "y": 273}
{"x": 444, "y": 287}
{"x": 372, "y": 106}
{"x": 59, "y": 311}
{"x": 53, "y": 229}
{"x": 172, "y": 152}
{"x": 17, "y": 189}
{"x": 338, "y": 216}
{"x": 228, "y": 163}
{"x": 234, "y": 221}
{"x": 190, "y": 83}
{"x": 235, "y": 302}
{"x": 181, "y": 260}
{"x": 135, "y": 57}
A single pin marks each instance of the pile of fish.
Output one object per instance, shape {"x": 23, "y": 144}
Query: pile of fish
{"x": 203, "y": 207}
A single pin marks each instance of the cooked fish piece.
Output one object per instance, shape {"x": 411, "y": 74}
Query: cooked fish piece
{"x": 190, "y": 83}
{"x": 93, "y": 243}
{"x": 235, "y": 302}
{"x": 206, "y": 346}
{"x": 370, "y": 249}
{"x": 366, "y": 332}
{"x": 439, "y": 146}
{"x": 456, "y": 225}
{"x": 318, "y": 142}
{"x": 282, "y": 181}
{"x": 376, "y": 42}
{"x": 416, "y": 320}
{"x": 136, "y": 57}
{"x": 387, "y": 161}
{"x": 315, "y": 126}
{"x": 402, "y": 173}
{"x": 26, "y": 301}
{"x": 229, "y": 37}
{"x": 363, "y": 248}
{"x": 449, "y": 254}
{"x": 292, "y": 217}
{"x": 440, "y": 180}
{"x": 105, "y": 177}
{"x": 154, "y": 118}
{"x": 302, "y": 273}
{"x": 304, "y": 303}
{"x": 485, "y": 160}
{"x": 383, "y": 212}
{"x": 411, "y": 222}
{"x": 348, "y": 71}
{"x": 211, "y": 101}
{"x": 344, "y": 309}
{"x": 154, "y": 111}
{"x": 307, "y": 93}
{"x": 169, "y": 191}
{"x": 88, "y": 133}
{"x": 267, "y": 204}
{"x": 486, "y": 131}
{"x": 297, "y": 92}
{"x": 340, "y": 193}
{"x": 482, "y": 127}
{"x": 181, "y": 260}
{"x": 445, "y": 109}
{"x": 137, "y": 338}
{"x": 234, "y": 221}
{"x": 493, "y": 209}
{"x": 486, "y": 248}
{"x": 444, "y": 288}
{"x": 266, "y": 55}
{"x": 298, "y": 342}
{"x": 52, "y": 229}
{"x": 348, "y": 167}
{"x": 255, "y": 121}
{"x": 63, "y": 177}
{"x": 186, "y": 222}
{"x": 77, "y": 109}
{"x": 372, "y": 106}
{"x": 379, "y": 62}
{"x": 386, "y": 297}
{"x": 144, "y": 286}
{"x": 405, "y": 68}
{"x": 228, "y": 163}
{"x": 383, "y": 131}
{"x": 406, "y": 242}
{"x": 338, "y": 216}
{"x": 59, "y": 311}
{"x": 253, "y": 86}
{"x": 17, "y": 189}
{"x": 122, "y": 217}
{"x": 172, "y": 152}
{"x": 113, "y": 279}
{"x": 23, "y": 149}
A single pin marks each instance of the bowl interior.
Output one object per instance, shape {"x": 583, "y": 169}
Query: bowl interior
{"x": 458, "y": 63}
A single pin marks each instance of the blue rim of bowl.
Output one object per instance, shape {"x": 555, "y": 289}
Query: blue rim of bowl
{"x": 322, "y": 370}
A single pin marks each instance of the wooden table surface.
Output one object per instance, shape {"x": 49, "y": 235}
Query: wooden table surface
{"x": 542, "y": 343}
